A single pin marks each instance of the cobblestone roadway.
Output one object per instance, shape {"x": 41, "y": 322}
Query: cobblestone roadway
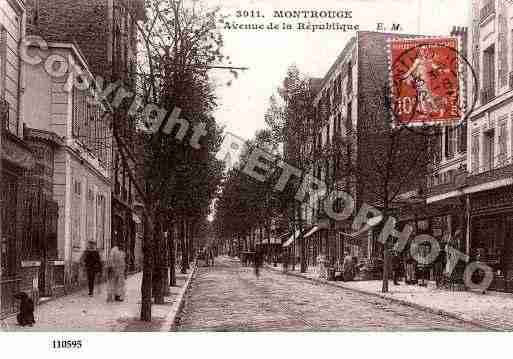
{"x": 228, "y": 297}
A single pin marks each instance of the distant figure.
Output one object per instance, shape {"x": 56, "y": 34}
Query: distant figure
{"x": 411, "y": 269}
{"x": 258, "y": 261}
{"x": 26, "y": 314}
{"x": 396, "y": 267}
{"x": 348, "y": 267}
{"x": 93, "y": 265}
{"x": 116, "y": 274}
{"x": 211, "y": 256}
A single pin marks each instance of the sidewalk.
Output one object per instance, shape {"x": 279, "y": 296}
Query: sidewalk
{"x": 493, "y": 310}
{"x": 79, "y": 312}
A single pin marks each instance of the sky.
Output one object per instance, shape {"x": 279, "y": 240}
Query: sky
{"x": 268, "y": 53}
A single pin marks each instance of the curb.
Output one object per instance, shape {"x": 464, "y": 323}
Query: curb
{"x": 170, "y": 323}
{"x": 396, "y": 300}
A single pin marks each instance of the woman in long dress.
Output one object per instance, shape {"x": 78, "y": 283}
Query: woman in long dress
{"x": 116, "y": 266}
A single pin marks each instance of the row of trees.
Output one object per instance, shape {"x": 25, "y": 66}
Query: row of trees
{"x": 375, "y": 162}
{"x": 247, "y": 203}
{"x": 176, "y": 174}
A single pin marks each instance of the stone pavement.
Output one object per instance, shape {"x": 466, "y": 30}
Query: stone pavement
{"x": 229, "y": 297}
{"x": 493, "y": 310}
{"x": 79, "y": 312}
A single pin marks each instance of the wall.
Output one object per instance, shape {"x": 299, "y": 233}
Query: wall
{"x": 73, "y": 20}
{"x": 11, "y": 25}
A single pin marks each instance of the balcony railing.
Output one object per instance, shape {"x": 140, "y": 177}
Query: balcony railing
{"x": 499, "y": 161}
{"x": 487, "y": 10}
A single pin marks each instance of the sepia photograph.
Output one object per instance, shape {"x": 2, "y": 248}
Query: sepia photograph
{"x": 193, "y": 167}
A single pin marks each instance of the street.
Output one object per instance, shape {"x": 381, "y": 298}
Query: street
{"x": 228, "y": 297}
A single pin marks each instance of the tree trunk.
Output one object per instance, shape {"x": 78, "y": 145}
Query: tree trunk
{"x": 386, "y": 260}
{"x": 183, "y": 232}
{"x": 158, "y": 279}
{"x": 303, "y": 256}
{"x": 188, "y": 245}
{"x": 165, "y": 265}
{"x": 172, "y": 260}
{"x": 146, "y": 287}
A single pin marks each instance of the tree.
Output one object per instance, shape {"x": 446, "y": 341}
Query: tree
{"x": 293, "y": 124}
{"x": 179, "y": 44}
{"x": 392, "y": 159}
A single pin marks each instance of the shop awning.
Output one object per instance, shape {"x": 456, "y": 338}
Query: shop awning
{"x": 312, "y": 231}
{"x": 292, "y": 238}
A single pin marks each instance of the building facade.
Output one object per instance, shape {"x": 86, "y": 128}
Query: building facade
{"x": 346, "y": 144}
{"x": 479, "y": 190}
{"x": 29, "y": 211}
{"x": 106, "y": 33}
{"x": 81, "y": 159}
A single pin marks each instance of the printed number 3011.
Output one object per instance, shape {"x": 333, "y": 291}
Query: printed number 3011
{"x": 248, "y": 13}
{"x": 66, "y": 344}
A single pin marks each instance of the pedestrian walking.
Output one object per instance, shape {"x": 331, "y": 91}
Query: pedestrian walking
{"x": 285, "y": 260}
{"x": 258, "y": 261}
{"x": 116, "y": 267}
{"x": 211, "y": 255}
{"x": 348, "y": 268}
{"x": 92, "y": 263}
{"x": 396, "y": 267}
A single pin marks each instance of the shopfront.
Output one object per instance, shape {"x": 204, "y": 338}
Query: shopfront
{"x": 445, "y": 221}
{"x": 17, "y": 158}
{"x": 491, "y": 233}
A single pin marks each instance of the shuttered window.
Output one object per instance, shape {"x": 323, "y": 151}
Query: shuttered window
{"x": 503, "y": 143}
{"x": 475, "y": 153}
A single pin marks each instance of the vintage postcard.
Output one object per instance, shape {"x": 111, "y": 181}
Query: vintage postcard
{"x": 255, "y": 166}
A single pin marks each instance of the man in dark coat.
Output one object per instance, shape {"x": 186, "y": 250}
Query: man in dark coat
{"x": 92, "y": 263}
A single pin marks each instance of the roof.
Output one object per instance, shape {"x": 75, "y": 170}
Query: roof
{"x": 338, "y": 61}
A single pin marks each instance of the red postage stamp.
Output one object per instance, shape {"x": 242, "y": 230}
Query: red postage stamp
{"x": 425, "y": 81}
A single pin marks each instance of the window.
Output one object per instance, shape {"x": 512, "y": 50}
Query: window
{"x": 76, "y": 214}
{"x": 100, "y": 221}
{"x": 328, "y": 134}
{"x": 438, "y": 150}
{"x": 503, "y": 141}
{"x": 488, "y": 150}
{"x": 349, "y": 121}
{"x": 349, "y": 77}
{"x": 90, "y": 215}
{"x": 9, "y": 115}
{"x": 3, "y": 60}
{"x": 474, "y": 156}
{"x": 488, "y": 75}
{"x": 33, "y": 13}
{"x": 462, "y": 138}
{"x": 449, "y": 142}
